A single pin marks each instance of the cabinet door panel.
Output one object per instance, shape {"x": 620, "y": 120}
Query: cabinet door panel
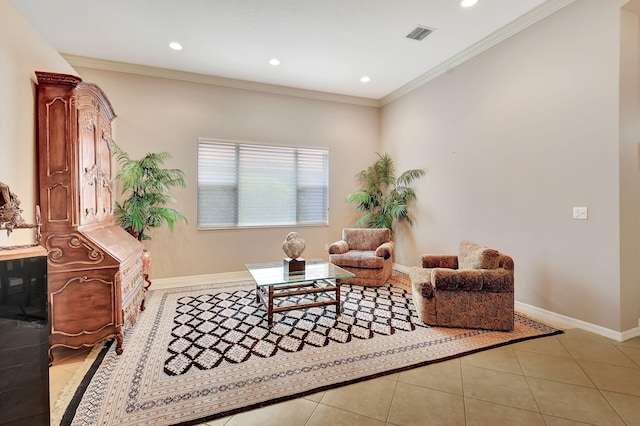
{"x": 81, "y": 304}
{"x": 89, "y": 167}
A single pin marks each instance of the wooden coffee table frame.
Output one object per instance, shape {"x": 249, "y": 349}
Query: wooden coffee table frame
{"x": 267, "y": 295}
{"x": 319, "y": 277}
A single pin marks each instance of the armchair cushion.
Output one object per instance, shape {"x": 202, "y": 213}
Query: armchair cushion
{"x": 365, "y": 238}
{"x": 339, "y": 247}
{"x": 475, "y": 256}
{"x": 359, "y": 259}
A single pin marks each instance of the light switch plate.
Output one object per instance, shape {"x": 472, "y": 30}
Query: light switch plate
{"x": 580, "y": 213}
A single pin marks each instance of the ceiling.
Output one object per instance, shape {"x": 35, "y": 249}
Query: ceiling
{"x": 323, "y": 45}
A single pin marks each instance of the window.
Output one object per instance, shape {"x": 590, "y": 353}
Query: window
{"x": 260, "y": 185}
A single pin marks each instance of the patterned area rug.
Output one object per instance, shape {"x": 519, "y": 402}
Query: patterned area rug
{"x": 199, "y": 353}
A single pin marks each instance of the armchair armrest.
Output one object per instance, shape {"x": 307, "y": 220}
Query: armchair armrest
{"x": 385, "y": 249}
{"x": 497, "y": 280}
{"x": 452, "y": 279}
{"x": 439, "y": 261}
{"x": 339, "y": 247}
{"x": 488, "y": 280}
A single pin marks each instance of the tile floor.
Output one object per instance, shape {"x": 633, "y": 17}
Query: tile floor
{"x": 574, "y": 378}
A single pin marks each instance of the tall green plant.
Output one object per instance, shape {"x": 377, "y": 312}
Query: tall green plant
{"x": 383, "y": 198}
{"x": 147, "y": 184}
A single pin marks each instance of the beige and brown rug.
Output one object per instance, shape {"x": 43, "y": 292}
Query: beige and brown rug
{"x": 198, "y": 353}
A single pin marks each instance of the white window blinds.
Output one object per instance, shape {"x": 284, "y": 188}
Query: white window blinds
{"x": 261, "y": 185}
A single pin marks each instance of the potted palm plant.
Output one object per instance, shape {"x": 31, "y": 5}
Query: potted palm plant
{"x": 146, "y": 184}
{"x": 383, "y": 198}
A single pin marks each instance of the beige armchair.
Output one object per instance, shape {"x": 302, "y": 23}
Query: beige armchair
{"x": 474, "y": 289}
{"x": 368, "y": 253}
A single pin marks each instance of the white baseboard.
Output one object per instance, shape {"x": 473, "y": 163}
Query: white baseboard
{"x": 173, "y": 282}
{"x": 562, "y": 321}
{"x": 401, "y": 268}
{"x": 548, "y": 317}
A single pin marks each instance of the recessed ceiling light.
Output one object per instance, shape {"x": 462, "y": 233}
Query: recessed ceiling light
{"x": 275, "y": 62}
{"x": 175, "y": 45}
{"x": 365, "y": 79}
{"x": 468, "y": 3}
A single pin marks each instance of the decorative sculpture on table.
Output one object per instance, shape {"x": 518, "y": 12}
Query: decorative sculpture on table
{"x": 10, "y": 217}
{"x": 293, "y": 246}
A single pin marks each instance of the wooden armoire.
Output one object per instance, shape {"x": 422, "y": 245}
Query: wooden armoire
{"x": 95, "y": 267}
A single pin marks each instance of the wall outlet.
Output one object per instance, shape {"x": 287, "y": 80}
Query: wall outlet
{"x": 580, "y": 213}
{"x": 326, "y": 247}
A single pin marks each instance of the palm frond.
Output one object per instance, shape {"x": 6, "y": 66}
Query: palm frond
{"x": 147, "y": 184}
{"x": 382, "y": 198}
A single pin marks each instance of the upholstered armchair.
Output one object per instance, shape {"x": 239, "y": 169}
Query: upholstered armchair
{"x": 471, "y": 290}
{"x": 366, "y": 252}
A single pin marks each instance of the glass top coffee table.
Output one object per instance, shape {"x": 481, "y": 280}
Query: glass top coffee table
{"x": 319, "y": 278}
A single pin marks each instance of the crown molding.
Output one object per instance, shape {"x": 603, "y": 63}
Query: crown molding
{"x": 547, "y": 8}
{"x": 103, "y": 64}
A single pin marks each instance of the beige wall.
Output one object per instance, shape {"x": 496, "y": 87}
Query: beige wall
{"x": 630, "y": 168}
{"x": 22, "y": 51}
{"x": 512, "y": 140}
{"x": 157, "y": 114}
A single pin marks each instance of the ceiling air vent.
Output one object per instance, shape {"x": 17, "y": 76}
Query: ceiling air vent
{"x": 419, "y": 33}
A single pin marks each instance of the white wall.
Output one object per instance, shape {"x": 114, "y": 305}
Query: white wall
{"x": 158, "y": 114}
{"x": 511, "y": 141}
{"x": 22, "y": 51}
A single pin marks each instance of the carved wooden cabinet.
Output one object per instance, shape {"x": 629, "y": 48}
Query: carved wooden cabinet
{"x": 95, "y": 267}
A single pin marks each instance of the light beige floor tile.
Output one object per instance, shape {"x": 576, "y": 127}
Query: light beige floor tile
{"x": 325, "y": 415}
{"x": 443, "y": 376}
{"x": 291, "y": 413}
{"x": 613, "y": 378}
{"x": 219, "y": 422}
{"x": 632, "y": 352}
{"x": 415, "y": 405}
{"x": 393, "y": 377}
{"x": 573, "y": 402}
{"x": 580, "y": 334}
{"x": 552, "y": 367}
{"x": 62, "y": 355}
{"x": 315, "y": 396}
{"x": 371, "y": 398}
{"x": 58, "y": 379}
{"x": 593, "y": 351}
{"x": 557, "y": 421}
{"x": 501, "y": 359}
{"x": 71, "y": 364}
{"x": 635, "y": 342}
{"x": 545, "y": 345}
{"x": 499, "y": 387}
{"x": 627, "y": 406}
{"x": 482, "y": 413}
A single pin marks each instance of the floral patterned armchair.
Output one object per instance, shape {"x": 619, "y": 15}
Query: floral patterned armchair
{"x": 474, "y": 289}
{"x": 365, "y": 252}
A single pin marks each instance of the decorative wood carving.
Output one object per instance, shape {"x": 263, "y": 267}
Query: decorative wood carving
{"x": 11, "y": 217}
